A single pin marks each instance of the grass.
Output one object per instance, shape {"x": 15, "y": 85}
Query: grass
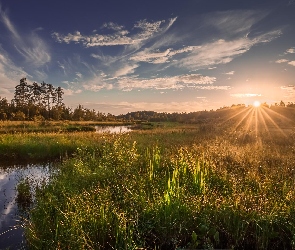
{"x": 170, "y": 188}
{"x": 24, "y": 196}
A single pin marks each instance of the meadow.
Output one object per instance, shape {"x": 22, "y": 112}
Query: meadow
{"x": 228, "y": 184}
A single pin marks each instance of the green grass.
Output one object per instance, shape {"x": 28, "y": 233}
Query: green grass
{"x": 167, "y": 189}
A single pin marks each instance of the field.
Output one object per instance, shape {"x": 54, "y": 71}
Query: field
{"x": 222, "y": 184}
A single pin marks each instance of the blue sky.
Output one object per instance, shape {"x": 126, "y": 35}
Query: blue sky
{"x": 167, "y": 56}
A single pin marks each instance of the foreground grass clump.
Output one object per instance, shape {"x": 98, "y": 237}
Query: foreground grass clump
{"x": 118, "y": 195}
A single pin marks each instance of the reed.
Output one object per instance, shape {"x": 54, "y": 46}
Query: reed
{"x": 144, "y": 190}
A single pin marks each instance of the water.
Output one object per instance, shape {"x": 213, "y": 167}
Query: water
{"x": 113, "y": 129}
{"x": 11, "y": 217}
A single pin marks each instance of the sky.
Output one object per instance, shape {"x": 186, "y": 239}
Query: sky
{"x": 167, "y": 56}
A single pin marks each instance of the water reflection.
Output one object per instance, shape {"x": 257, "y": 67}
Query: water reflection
{"x": 113, "y": 129}
{"x": 11, "y": 230}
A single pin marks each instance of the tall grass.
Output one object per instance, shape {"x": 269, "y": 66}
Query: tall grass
{"x": 123, "y": 193}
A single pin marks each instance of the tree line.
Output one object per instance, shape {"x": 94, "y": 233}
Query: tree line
{"x": 42, "y": 102}
{"x": 35, "y": 102}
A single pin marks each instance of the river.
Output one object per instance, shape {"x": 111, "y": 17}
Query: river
{"x": 11, "y": 218}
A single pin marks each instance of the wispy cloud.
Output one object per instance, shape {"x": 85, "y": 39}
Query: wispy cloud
{"x": 31, "y": 47}
{"x": 36, "y": 53}
{"x": 230, "y": 73}
{"x": 127, "y": 69}
{"x": 281, "y": 61}
{"x": 292, "y": 63}
{"x": 157, "y": 57}
{"x": 120, "y": 36}
{"x": 233, "y": 22}
{"x": 175, "y": 82}
{"x": 289, "y": 90}
{"x": 5, "y": 19}
{"x": 71, "y": 92}
{"x": 194, "y": 81}
{"x": 9, "y": 74}
{"x": 243, "y": 95}
{"x": 112, "y": 26}
{"x": 223, "y": 51}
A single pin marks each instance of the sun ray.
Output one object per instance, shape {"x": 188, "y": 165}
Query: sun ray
{"x": 273, "y": 122}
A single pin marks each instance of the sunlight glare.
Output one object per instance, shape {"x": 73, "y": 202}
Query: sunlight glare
{"x": 256, "y": 104}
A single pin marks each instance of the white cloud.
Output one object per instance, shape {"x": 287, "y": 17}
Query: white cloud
{"x": 31, "y": 47}
{"x": 223, "y": 51}
{"x": 243, "y": 95}
{"x": 290, "y": 89}
{"x": 151, "y": 57}
{"x": 8, "y": 23}
{"x": 112, "y": 26}
{"x": 70, "y": 92}
{"x": 157, "y": 57}
{"x": 97, "y": 83}
{"x": 175, "y": 82}
{"x": 119, "y": 37}
{"x": 36, "y": 53}
{"x": 233, "y": 22}
{"x": 281, "y": 61}
{"x": 292, "y": 63}
{"x": 79, "y": 74}
{"x": 125, "y": 70}
{"x": 10, "y": 74}
{"x": 291, "y": 51}
{"x": 229, "y": 73}
{"x": 194, "y": 81}
{"x": 40, "y": 74}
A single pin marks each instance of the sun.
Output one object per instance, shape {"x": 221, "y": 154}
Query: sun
{"x": 256, "y": 104}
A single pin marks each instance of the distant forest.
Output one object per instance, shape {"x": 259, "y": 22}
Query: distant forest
{"x": 39, "y": 102}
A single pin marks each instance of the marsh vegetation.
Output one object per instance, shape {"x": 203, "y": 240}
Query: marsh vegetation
{"x": 227, "y": 183}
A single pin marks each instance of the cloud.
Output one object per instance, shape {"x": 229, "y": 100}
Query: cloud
{"x": 229, "y": 73}
{"x": 157, "y": 57}
{"x": 233, "y": 22}
{"x": 31, "y": 47}
{"x": 97, "y": 83}
{"x": 151, "y": 57}
{"x": 194, "y": 81}
{"x": 120, "y": 36}
{"x": 174, "y": 82}
{"x": 111, "y": 26}
{"x": 10, "y": 74}
{"x": 79, "y": 74}
{"x": 243, "y": 95}
{"x": 127, "y": 69}
{"x": 71, "y": 92}
{"x": 290, "y": 89}
{"x": 292, "y": 63}
{"x": 291, "y": 50}
{"x": 223, "y": 51}
{"x": 5, "y": 19}
{"x": 281, "y": 61}
{"x": 40, "y": 75}
{"x": 36, "y": 53}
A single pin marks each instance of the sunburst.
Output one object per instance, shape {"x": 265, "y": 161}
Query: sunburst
{"x": 259, "y": 120}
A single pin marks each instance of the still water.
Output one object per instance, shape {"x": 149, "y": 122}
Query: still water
{"x": 113, "y": 129}
{"x": 11, "y": 217}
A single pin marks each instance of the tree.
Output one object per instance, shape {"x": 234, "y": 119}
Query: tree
{"x": 282, "y": 104}
{"x": 22, "y": 93}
